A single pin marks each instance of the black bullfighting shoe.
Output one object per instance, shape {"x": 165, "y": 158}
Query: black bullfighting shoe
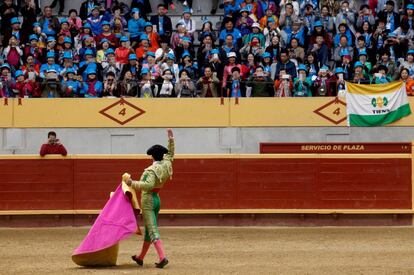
{"x": 161, "y": 264}
{"x": 138, "y": 261}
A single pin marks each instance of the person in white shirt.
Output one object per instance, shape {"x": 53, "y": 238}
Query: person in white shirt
{"x": 189, "y": 23}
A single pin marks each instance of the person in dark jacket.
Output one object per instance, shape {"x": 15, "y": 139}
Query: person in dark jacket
{"x": 8, "y": 11}
{"x": 260, "y": 83}
{"x": 29, "y": 15}
{"x": 162, "y": 22}
{"x": 235, "y": 87}
{"x": 391, "y": 18}
{"x": 86, "y": 9}
{"x": 286, "y": 64}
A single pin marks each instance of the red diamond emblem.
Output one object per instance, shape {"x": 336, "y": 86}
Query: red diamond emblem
{"x": 122, "y": 111}
{"x": 333, "y": 111}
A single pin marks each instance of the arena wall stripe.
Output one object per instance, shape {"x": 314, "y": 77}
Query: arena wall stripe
{"x": 243, "y": 184}
{"x": 178, "y": 112}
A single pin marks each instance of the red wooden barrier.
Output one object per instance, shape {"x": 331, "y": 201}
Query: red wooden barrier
{"x": 222, "y": 183}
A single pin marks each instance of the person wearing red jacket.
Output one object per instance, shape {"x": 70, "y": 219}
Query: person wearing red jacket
{"x": 107, "y": 33}
{"x": 53, "y": 146}
{"x": 26, "y": 87}
{"x": 122, "y": 52}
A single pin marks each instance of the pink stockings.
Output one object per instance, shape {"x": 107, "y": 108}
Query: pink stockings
{"x": 158, "y": 246}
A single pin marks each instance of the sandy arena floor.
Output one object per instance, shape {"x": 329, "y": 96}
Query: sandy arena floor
{"x": 223, "y": 251}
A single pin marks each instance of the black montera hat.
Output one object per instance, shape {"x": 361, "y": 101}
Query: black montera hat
{"x": 157, "y": 151}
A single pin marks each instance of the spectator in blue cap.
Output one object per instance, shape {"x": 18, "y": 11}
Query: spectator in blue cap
{"x": 395, "y": 46}
{"x": 319, "y": 29}
{"x": 122, "y": 52}
{"x": 230, "y": 29}
{"x": 101, "y": 54}
{"x": 189, "y": 23}
{"x": 152, "y": 65}
{"x": 71, "y": 84}
{"x": 408, "y": 63}
{"x": 90, "y": 64}
{"x": 133, "y": 67}
{"x": 147, "y": 87}
{"x": 67, "y": 60}
{"x": 107, "y": 34}
{"x": 340, "y": 80}
{"x": 86, "y": 30}
{"x": 32, "y": 48}
{"x": 343, "y": 47}
{"x": 204, "y": 50}
{"x": 49, "y": 65}
{"x": 177, "y": 37}
{"x": 86, "y": 8}
{"x": 26, "y": 87}
{"x": 153, "y": 37}
{"x": 171, "y": 65}
{"x": 88, "y": 44}
{"x": 409, "y": 15}
{"x": 244, "y": 22}
{"x": 95, "y": 20}
{"x": 135, "y": 26}
{"x": 92, "y": 87}
{"x": 266, "y": 63}
{"x": 68, "y": 56}
{"x": 109, "y": 64}
{"x": 144, "y": 7}
{"x": 188, "y": 65}
{"x": 185, "y": 45}
{"x": 302, "y": 84}
{"x": 6, "y": 81}
{"x": 358, "y": 76}
{"x": 325, "y": 83}
{"x": 144, "y": 46}
{"x": 367, "y": 66}
{"x": 15, "y": 30}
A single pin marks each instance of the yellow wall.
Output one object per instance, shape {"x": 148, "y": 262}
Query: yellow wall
{"x": 199, "y": 112}
{"x": 6, "y": 113}
{"x": 86, "y": 113}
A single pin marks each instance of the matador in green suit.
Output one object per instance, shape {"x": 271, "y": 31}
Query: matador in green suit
{"x": 151, "y": 182}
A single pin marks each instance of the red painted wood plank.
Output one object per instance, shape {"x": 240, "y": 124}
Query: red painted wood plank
{"x": 213, "y": 183}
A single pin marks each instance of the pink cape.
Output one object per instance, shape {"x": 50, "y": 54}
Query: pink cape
{"x": 116, "y": 222}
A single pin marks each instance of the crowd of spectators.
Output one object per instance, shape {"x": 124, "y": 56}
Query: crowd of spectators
{"x": 261, "y": 48}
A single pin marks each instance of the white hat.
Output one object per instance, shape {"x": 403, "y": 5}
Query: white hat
{"x": 256, "y": 25}
{"x": 231, "y": 54}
